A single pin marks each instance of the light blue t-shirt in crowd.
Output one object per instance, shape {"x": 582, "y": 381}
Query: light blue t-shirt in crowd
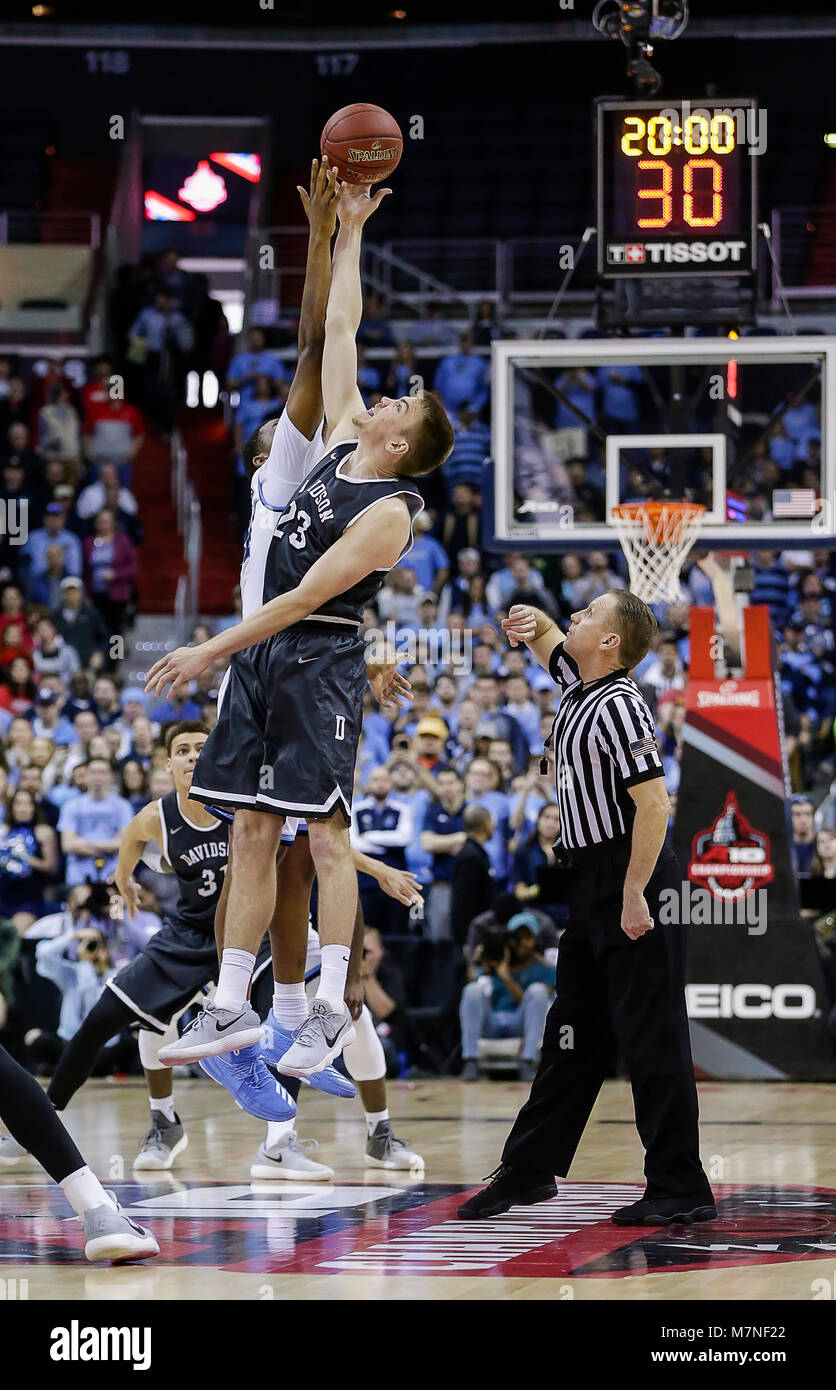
{"x": 95, "y": 820}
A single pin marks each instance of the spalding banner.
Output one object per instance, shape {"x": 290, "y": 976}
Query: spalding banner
{"x": 755, "y": 992}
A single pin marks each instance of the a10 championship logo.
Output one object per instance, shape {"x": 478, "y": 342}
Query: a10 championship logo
{"x": 731, "y": 859}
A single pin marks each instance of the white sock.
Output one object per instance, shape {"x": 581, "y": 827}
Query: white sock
{"x": 373, "y": 1118}
{"x": 83, "y": 1190}
{"x": 234, "y": 980}
{"x": 332, "y": 980}
{"x": 290, "y": 1005}
{"x": 165, "y": 1104}
{"x": 278, "y": 1130}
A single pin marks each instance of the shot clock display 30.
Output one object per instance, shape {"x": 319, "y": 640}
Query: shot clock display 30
{"x": 676, "y": 188}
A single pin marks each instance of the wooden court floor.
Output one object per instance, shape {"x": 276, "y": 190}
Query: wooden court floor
{"x": 770, "y": 1150}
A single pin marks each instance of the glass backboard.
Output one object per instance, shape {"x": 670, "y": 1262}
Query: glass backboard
{"x": 743, "y": 426}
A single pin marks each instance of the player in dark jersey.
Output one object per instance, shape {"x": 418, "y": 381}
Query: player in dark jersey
{"x": 180, "y": 960}
{"x": 287, "y": 738}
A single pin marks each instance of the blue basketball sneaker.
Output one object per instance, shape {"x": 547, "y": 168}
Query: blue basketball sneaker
{"x": 276, "y": 1042}
{"x": 250, "y": 1084}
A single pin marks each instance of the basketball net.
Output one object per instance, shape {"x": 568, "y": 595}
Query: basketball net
{"x": 656, "y": 538}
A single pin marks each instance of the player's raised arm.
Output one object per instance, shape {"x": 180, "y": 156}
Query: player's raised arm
{"x": 304, "y": 401}
{"x": 400, "y": 884}
{"x": 345, "y": 310}
{"x": 144, "y": 827}
{"x": 375, "y": 542}
{"x": 535, "y": 628}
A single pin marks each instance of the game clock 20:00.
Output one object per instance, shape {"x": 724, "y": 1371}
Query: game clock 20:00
{"x": 676, "y": 187}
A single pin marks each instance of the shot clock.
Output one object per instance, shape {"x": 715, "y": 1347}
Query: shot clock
{"x": 676, "y": 187}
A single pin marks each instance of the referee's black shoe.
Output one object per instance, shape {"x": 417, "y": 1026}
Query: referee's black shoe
{"x": 667, "y": 1211}
{"x": 507, "y": 1188}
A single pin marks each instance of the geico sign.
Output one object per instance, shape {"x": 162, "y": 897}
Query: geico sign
{"x": 750, "y": 1001}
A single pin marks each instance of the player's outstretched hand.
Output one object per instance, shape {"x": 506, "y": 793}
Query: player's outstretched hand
{"x": 130, "y": 892}
{"x": 402, "y": 885}
{"x": 355, "y": 997}
{"x": 520, "y": 625}
{"x": 388, "y": 685}
{"x": 713, "y": 564}
{"x": 358, "y": 203}
{"x": 322, "y": 201}
{"x": 176, "y": 670}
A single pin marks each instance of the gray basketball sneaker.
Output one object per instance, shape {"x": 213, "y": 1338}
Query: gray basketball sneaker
{"x": 287, "y": 1161}
{"x": 385, "y": 1150}
{"x": 11, "y": 1153}
{"x": 111, "y": 1235}
{"x": 317, "y": 1041}
{"x": 212, "y": 1033}
{"x": 163, "y": 1142}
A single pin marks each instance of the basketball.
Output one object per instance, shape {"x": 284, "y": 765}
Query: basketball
{"x": 364, "y": 142}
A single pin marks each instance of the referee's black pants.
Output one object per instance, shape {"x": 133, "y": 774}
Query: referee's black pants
{"x": 614, "y": 992}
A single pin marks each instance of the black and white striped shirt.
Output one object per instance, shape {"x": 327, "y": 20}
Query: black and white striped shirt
{"x": 604, "y": 743}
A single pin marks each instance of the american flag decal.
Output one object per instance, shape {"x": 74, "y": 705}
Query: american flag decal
{"x": 643, "y": 746}
{"x": 794, "y": 502}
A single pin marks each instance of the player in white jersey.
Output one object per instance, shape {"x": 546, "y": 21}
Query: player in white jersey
{"x": 290, "y": 457}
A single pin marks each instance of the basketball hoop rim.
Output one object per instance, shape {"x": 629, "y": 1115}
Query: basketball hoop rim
{"x": 629, "y": 511}
{"x": 656, "y": 537}
{"x": 651, "y": 516}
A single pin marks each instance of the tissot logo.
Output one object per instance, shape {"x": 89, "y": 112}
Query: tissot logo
{"x": 675, "y": 252}
{"x": 750, "y": 1001}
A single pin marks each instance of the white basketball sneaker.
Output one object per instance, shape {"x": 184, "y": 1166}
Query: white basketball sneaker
{"x": 287, "y": 1161}
{"x": 11, "y": 1153}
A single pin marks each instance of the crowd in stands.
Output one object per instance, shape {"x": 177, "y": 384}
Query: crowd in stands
{"x": 433, "y": 356}
{"x": 68, "y": 550}
{"x": 164, "y": 324}
{"x": 450, "y": 787}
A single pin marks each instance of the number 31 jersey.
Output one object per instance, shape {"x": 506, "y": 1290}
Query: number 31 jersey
{"x": 199, "y": 859}
{"x": 324, "y": 506}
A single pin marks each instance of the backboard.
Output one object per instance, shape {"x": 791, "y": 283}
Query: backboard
{"x": 747, "y": 427}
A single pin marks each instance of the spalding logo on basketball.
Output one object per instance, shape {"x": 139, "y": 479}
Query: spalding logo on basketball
{"x": 364, "y": 142}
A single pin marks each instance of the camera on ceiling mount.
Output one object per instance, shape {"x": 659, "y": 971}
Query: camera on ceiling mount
{"x": 637, "y": 23}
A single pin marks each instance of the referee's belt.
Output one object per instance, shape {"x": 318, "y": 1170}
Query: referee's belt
{"x": 585, "y": 856}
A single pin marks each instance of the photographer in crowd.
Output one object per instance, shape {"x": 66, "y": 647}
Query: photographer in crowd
{"x": 510, "y": 996}
{"x": 79, "y": 963}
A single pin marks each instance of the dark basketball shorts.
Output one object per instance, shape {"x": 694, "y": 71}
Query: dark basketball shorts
{"x": 289, "y": 722}
{"x": 178, "y": 962}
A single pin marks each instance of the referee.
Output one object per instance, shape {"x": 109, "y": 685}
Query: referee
{"x": 620, "y": 972}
